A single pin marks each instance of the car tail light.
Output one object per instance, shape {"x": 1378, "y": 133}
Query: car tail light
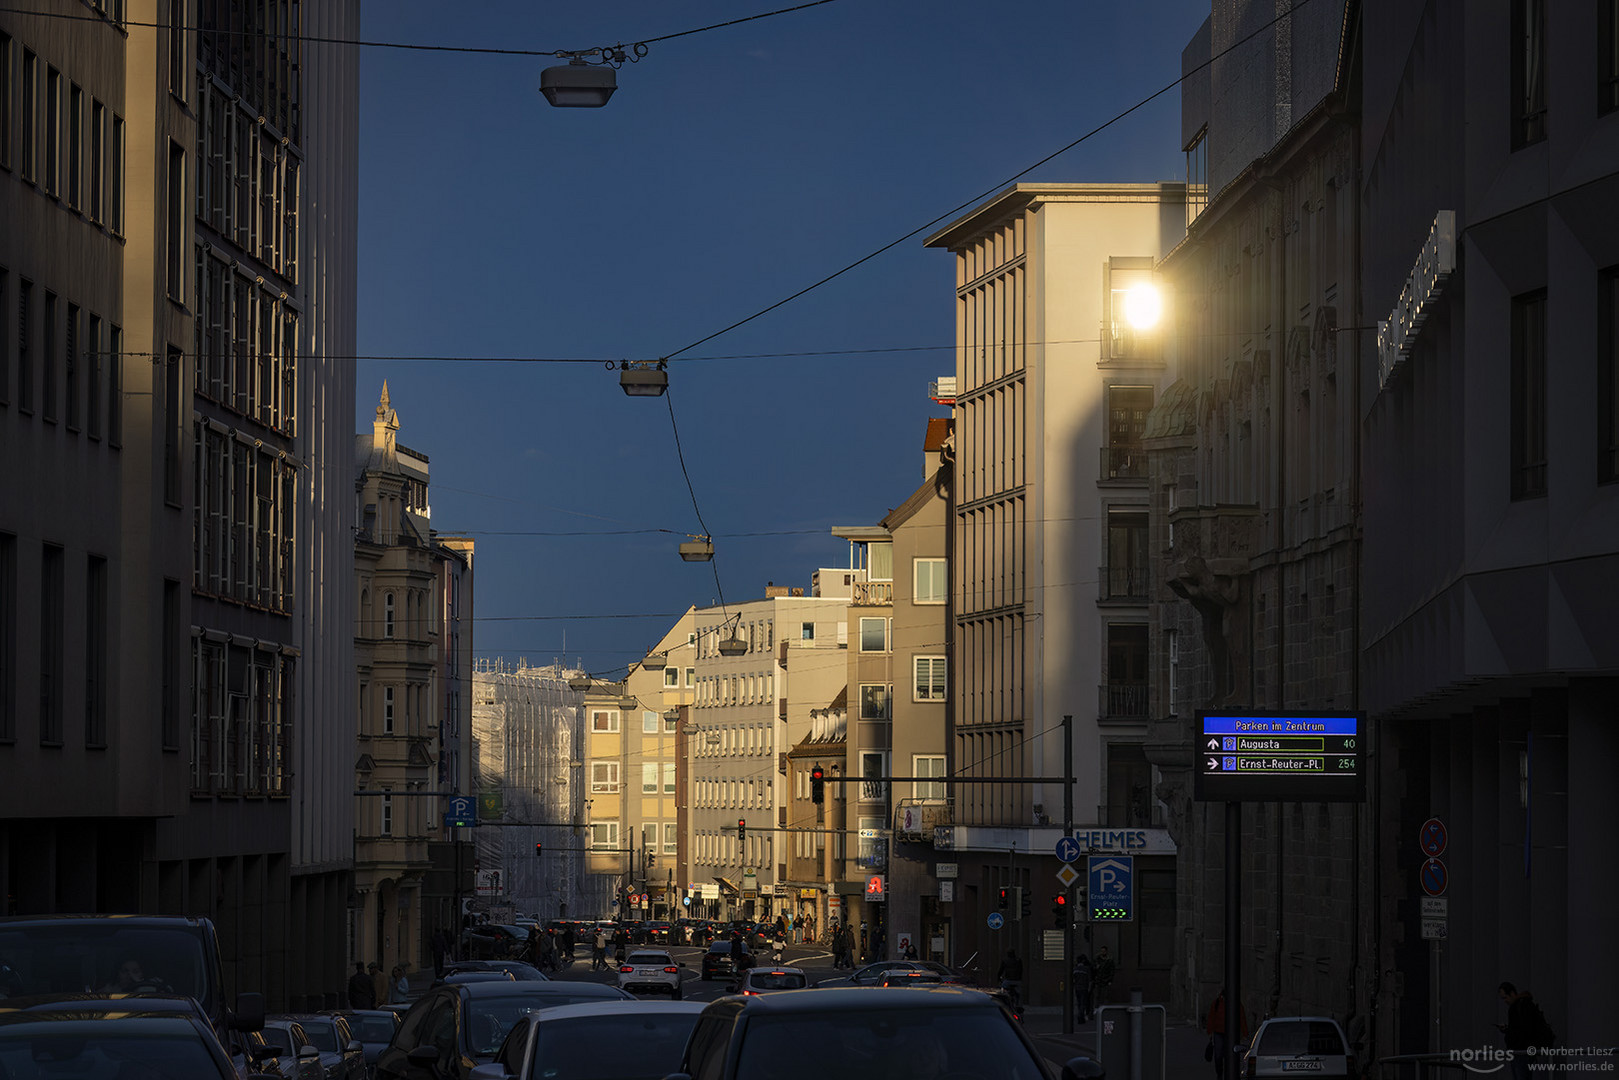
{"x": 750, "y": 993}
{"x": 626, "y": 970}
{"x": 672, "y": 970}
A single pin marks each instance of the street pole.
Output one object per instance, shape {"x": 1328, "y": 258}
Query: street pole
{"x": 1068, "y": 831}
{"x": 1233, "y": 927}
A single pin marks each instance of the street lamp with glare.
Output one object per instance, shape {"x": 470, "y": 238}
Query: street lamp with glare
{"x": 578, "y": 85}
{"x": 579, "y": 682}
{"x": 733, "y": 646}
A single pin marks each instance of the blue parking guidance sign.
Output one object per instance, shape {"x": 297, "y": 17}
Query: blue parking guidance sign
{"x": 1110, "y": 888}
{"x": 460, "y": 812}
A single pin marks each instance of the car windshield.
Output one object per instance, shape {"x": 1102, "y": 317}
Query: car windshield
{"x": 489, "y": 1019}
{"x": 59, "y": 1050}
{"x": 881, "y": 1044}
{"x": 323, "y": 1035}
{"x": 101, "y": 957}
{"x": 1299, "y": 1037}
{"x": 629, "y": 1044}
{"x": 372, "y": 1029}
{"x": 280, "y": 1038}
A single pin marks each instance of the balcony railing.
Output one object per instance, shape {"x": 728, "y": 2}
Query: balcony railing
{"x": 1124, "y": 463}
{"x": 873, "y": 593}
{"x": 1123, "y": 701}
{"x": 1123, "y": 583}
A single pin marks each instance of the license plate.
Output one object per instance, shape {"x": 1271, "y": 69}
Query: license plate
{"x": 1301, "y": 1066}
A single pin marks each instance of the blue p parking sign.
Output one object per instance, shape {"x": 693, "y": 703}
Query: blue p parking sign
{"x": 1110, "y": 888}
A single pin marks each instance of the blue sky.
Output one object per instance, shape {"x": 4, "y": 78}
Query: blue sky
{"x": 732, "y": 168}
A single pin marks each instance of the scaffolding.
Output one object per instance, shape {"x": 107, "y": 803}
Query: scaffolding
{"x": 527, "y": 747}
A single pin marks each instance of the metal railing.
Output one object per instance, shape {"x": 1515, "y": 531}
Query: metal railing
{"x": 1122, "y": 701}
{"x": 873, "y": 593}
{"x": 1123, "y": 583}
{"x": 1124, "y": 463}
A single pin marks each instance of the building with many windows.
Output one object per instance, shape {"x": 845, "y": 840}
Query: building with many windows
{"x": 170, "y": 314}
{"x": 1054, "y": 380}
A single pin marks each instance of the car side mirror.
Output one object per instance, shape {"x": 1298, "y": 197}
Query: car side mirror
{"x": 356, "y": 1044}
{"x": 309, "y": 1050}
{"x": 1083, "y": 1068}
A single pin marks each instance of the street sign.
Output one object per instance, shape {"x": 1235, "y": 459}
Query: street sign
{"x": 1280, "y": 757}
{"x": 876, "y": 888}
{"x": 1433, "y": 838}
{"x": 460, "y": 812}
{"x": 947, "y": 892}
{"x": 995, "y": 920}
{"x": 1435, "y": 929}
{"x": 945, "y": 870}
{"x": 1068, "y": 849}
{"x": 1434, "y": 877}
{"x": 1067, "y": 875}
{"x": 1052, "y": 944}
{"x": 1110, "y": 888}
{"x": 685, "y": 901}
{"x": 1435, "y": 907}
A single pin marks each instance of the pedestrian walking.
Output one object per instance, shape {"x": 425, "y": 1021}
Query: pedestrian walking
{"x": 362, "y": 995}
{"x": 1102, "y": 970}
{"x": 379, "y": 984}
{"x": 1214, "y": 1026}
{"x": 401, "y": 986}
{"x": 1526, "y": 1033}
{"x": 441, "y": 945}
{"x": 598, "y": 954}
{"x": 1082, "y": 989}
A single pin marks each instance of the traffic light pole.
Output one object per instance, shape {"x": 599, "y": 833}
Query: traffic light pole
{"x": 1068, "y": 831}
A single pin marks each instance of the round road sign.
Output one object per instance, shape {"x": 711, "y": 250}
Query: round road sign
{"x": 996, "y": 920}
{"x": 1433, "y": 838}
{"x": 1435, "y": 877}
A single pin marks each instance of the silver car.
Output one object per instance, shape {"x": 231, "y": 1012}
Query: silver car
{"x": 1298, "y": 1046}
{"x": 650, "y": 970}
{"x": 605, "y": 1038}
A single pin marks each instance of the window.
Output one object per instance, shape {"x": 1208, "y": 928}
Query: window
{"x": 95, "y": 364}
{"x": 1607, "y": 56}
{"x": 668, "y": 778}
{"x": 70, "y": 367}
{"x": 807, "y": 632}
{"x": 1608, "y": 373}
{"x": 880, "y": 561}
{"x": 5, "y": 339}
{"x": 649, "y": 777}
{"x": 670, "y": 723}
{"x": 25, "y": 358}
{"x": 1528, "y": 396}
{"x": 873, "y": 635}
{"x": 177, "y": 210}
{"x": 604, "y": 720}
{"x": 115, "y": 386}
{"x": 929, "y": 684}
{"x": 1197, "y": 174}
{"x": 5, "y": 101}
{"x": 387, "y": 827}
{"x": 75, "y": 145}
{"x": 649, "y": 722}
{"x": 671, "y": 838}
{"x": 52, "y": 646}
{"x": 928, "y": 765}
{"x": 1172, "y": 651}
{"x": 1127, "y": 409}
{"x": 604, "y": 777}
{"x": 1528, "y": 72}
{"x": 604, "y": 835}
{"x": 873, "y": 766}
{"x": 876, "y": 701}
{"x": 387, "y": 710}
{"x": 53, "y": 130}
{"x": 1125, "y": 577}
{"x": 30, "y": 123}
{"x": 115, "y": 177}
{"x": 1126, "y": 690}
{"x": 48, "y": 360}
{"x": 671, "y": 676}
{"x": 691, "y": 677}
{"x": 98, "y": 160}
{"x": 8, "y": 637}
{"x": 931, "y": 581}
{"x": 173, "y": 420}
{"x": 388, "y": 615}
{"x": 177, "y": 49}
{"x": 95, "y": 652}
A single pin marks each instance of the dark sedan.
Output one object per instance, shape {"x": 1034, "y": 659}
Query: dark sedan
{"x": 453, "y": 1029}
{"x": 133, "y": 1041}
{"x": 375, "y": 1029}
{"x": 719, "y": 961}
{"x": 606, "y": 1038}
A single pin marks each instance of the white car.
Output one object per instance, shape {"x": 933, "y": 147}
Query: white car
{"x": 650, "y": 970}
{"x": 1298, "y": 1046}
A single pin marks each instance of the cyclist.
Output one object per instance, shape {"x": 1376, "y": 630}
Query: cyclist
{"x": 1010, "y": 973}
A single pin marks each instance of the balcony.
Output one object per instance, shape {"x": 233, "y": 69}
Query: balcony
{"x": 1122, "y": 701}
{"x": 1123, "y": 463}
{"x": 873, "y": 594}
{"x": 1122, "y": 584}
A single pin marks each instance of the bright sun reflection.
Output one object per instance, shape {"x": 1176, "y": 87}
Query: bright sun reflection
{"x": 1143, "y": 306}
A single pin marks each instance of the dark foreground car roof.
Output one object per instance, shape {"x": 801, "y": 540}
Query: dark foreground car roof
{"x": 935, "y": 997}
{"x": 569, "y": 991}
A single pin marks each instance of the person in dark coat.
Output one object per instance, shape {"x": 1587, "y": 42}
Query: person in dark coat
{"x": 362, "y": 995}
{"x": 441, "y": 944}
{"x": 1526, "y": 1031}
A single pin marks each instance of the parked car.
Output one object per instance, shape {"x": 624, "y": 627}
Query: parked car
{"x": 374, "y": 1028}
{"x": 493, "y": 941}
{"x": 605, "y": 1038}
{"x": 872, "y": 974}
{"x": 452, "y": 1029}
{"x": 1289, "y": 1045}
{"x": 495, "y": 975}
{"x": 341, "y": 1055}
{"x": 659, "y": 932}
{"x": 650, "y": 970}
{"x": 299, "y": 1056}
{"x": 763, "y": 980}
{"x": 944, "y": 1031}
{"x": 717, "y": 960}
{"x": 911, "y": 977}
{"x": 175, "y": 1038}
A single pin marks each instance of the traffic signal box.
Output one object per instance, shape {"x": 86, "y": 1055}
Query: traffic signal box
{"x": 539, "y": 848}
{"x": 741, "y": 830}
{"x": 1059, "y": 911}
{"x": 817, "y": 786}
{"x": 1015, "y": 900}
{"x": 1025, "y": 903}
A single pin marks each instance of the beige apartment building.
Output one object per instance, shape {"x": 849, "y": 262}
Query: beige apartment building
{"x": 173, "y": 658}
{"x": 1050, "y": 616}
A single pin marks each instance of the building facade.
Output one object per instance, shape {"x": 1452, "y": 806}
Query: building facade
{"x": 1053, "y": 386}
{"x": 1488, "y": 427}
{"x": 172, "y": 303}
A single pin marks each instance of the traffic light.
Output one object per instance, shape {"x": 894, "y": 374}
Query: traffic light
{"x": 1059, "y": 911}
{"x": 539, "y": 848}
{"x": 1006, "y": 896}
{"x": 1027, "y": 902}
{"x": 817, "y": 785}
{"x": 741, "y": 830}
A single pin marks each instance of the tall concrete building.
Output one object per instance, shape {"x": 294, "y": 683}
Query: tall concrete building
{"x": 1255, "y": 493}
{"x": 1053, "y": 387}
{"x": 177, "y": 271}
{"x": 1489, "y": 401}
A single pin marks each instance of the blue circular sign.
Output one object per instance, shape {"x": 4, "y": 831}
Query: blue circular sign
{"x": 1435, "y": 877}
{"x": 686, "y": 900}
{"x": 1067, "y": 849}
{"x": 996, "y": 920}
{"x": 1433, "y": 838}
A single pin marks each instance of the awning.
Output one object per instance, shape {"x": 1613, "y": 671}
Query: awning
{"x": 726, "y": 884}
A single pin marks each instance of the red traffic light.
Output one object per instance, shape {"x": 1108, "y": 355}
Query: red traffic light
{"x": 539, "y": 847}
{"x": 1061, "y": 901}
